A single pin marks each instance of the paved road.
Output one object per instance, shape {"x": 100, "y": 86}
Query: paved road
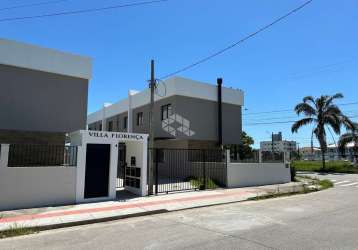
{"x": 339, "y": 180}
{"x": 322, "y": 220}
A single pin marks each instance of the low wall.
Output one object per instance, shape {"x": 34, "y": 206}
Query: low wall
{"x": 257, "y": 174}
{"x": 27, "y": 187}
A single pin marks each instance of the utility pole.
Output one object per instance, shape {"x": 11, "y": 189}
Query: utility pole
{"x": 151, "y": 129}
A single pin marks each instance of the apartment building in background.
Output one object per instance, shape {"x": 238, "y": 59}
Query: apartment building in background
{"x": 277, "y": 144}
{"x": 186, "y": 114}
{"x": 43, "y": 93}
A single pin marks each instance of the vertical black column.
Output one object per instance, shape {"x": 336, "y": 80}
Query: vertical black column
{"x": 220, "y": 131}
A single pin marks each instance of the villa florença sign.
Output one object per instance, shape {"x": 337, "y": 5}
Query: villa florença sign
{"x": 120, "y": 136}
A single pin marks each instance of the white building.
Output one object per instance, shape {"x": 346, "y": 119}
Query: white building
{"x": 278, "y": 145}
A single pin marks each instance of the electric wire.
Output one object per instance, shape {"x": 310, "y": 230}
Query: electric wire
{"x": 205, "y": 59}
{"x": 32, "y": 5}
{"x": 74, "y": 12}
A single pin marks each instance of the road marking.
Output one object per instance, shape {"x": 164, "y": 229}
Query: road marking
{"x": 350, "y": 184}
{"x": 341, "y": 182}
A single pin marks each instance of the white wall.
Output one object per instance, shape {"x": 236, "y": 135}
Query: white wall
{"x": 257, "y": 174}
{"x": 35, "y": 186}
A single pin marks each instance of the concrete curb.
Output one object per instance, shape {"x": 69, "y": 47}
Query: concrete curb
{"x": 299, "y": 188}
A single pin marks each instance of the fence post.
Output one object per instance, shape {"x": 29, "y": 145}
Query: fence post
{"x": 260, "y": 156}
{"x": 204, "y": 168}
{"x": 228, "y": 158}
{"x": 156, "y": 170}
{"x": 4, "y": 155}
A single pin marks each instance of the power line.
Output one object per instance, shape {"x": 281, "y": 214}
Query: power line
{"x": 262, "y": 119}
{"x": 32, "y": 5}
{"x": 205, "y": 59}
{"x": 81, "y": 11}
{"x": 281, "y": 122}
{"x": 287, "y": 110}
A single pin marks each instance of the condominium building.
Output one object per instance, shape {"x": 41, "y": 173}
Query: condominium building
{"x": 187, "y": 114}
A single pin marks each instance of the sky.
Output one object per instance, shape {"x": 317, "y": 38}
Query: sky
{"x": 312, "y": 52}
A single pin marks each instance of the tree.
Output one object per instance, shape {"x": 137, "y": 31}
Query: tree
{"x": 321, "y": 112}
{"x": 245, "y": 149}
{"x": 350, "y": 137}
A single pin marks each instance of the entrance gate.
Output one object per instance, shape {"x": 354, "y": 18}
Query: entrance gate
{"x": 189, "y": 169}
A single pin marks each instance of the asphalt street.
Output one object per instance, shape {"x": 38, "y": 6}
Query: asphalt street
{"x": 321, "y": 220}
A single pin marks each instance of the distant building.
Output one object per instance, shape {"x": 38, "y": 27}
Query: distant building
{"x": 333, "y": 153}
{"x": 310, "y": 154}
{"x": 278, "y": 145}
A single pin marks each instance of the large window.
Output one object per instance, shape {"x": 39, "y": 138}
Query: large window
{"x": 140, "y": 119}
{"x": 125, "y": 122}
{"x": 166, "y": 111}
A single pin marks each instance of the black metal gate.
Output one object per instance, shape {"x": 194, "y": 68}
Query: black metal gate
{"x": 189, "y": 169}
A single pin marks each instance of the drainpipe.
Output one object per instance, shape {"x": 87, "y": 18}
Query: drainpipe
{"x": 220, "y": 132}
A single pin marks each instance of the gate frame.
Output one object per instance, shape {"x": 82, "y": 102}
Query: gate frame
{"x": 203, "y": 155}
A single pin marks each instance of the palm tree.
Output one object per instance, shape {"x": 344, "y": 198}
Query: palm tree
{"x": 321, "y": 112}
{"x": 350, "y": 137}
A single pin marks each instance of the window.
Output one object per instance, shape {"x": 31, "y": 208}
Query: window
{"x": 110, "y": 126}
{"x": 100, "y": 127}
{"x": 125, "y": 122}
{"x": 140, "y": 119}
{"x": 166, "y": 111}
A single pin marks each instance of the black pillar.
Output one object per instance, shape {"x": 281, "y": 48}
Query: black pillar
{"x": 220, "y": 130}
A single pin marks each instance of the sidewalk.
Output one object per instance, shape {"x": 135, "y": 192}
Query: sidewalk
{"x": 56, "y": 217}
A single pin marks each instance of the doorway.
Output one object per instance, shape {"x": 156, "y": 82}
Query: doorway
{"x": 97, "y": 170}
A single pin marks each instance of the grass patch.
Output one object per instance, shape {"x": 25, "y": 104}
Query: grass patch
{"x": 278, "y": 195}
{"x": 200, "y": 183}
{"x": 331, "y": 167}
{"x": 17, "y": 231}
{"x": 325, "y": 184}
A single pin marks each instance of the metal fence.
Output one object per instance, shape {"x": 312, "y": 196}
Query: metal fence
{"x": 28, "y": 155}
{"x": 188, "y": 169}
{"x": 272, "y": 157}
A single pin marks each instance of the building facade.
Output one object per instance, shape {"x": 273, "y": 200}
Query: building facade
{"x": 43, "y": 93}
{"x": 277, "y": 144}
{"x": 185, "y": 114}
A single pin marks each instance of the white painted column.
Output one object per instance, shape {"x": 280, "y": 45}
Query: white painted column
{"x": 228, "y": 158}
{"x": 104, "y": 117}
{"x": 143, "y": 178}
{"x": 130, "y": 113}
{"x": 4, "y": 156}
{"x": 81, "y": 173}
{"x": 113, "y": 167}
{"x": 131, "y": 93}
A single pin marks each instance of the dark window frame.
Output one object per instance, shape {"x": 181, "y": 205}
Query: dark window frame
{"x": 166, "y": 111}
{"x": 125, "y": 122}
{"x": 140, "y": 119}
{"x": 110, "y": 126}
